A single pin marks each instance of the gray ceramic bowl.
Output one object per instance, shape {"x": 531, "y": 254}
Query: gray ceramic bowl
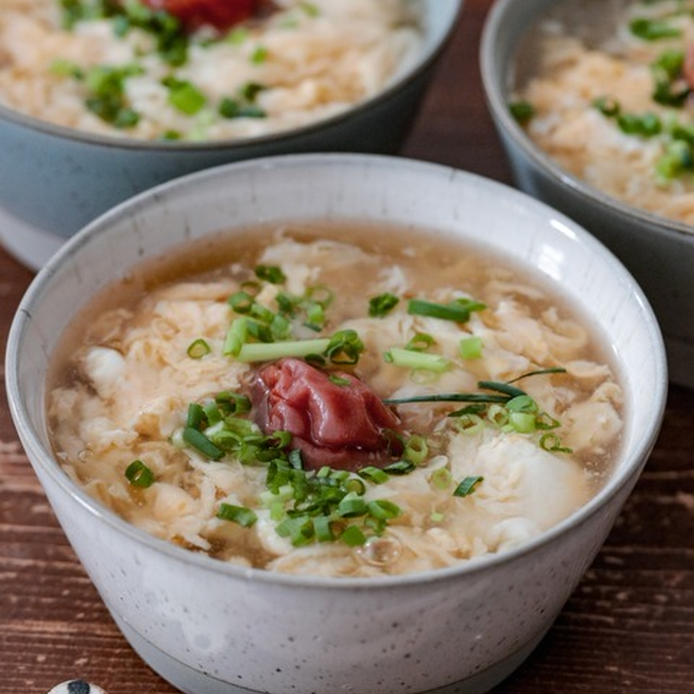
{"x": 213, "y": 627}
{"x": 53, "y": 180}
{"x": 658, "y": 252}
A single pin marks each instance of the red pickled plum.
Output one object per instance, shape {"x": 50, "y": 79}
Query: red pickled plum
{"x": 345, "y": 426}
{"x": 220, "y": 14}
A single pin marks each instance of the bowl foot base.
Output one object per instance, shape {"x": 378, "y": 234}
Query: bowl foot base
{"x": 192, "y": 681}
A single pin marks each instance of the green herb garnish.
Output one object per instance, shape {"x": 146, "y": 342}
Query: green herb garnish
{"x": 139, "y": 475}
{"x": 198, "y": 349}
{"x": 270, "y": 273}
{"x": 458, "y": 310}
{"x": 467, "y": 486}
{"x": 522, "y": 111}
{"x": 653, "y": 29}
{"x": 382, "y": 304}
{"x": 237, "y": 514}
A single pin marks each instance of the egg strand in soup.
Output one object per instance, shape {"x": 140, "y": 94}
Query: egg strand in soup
{"x": 344, "y": 401}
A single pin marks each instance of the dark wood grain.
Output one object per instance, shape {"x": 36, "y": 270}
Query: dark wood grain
{"x": 629, "y": 627}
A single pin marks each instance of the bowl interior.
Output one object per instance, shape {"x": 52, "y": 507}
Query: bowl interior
{"x": 342, "y": 187}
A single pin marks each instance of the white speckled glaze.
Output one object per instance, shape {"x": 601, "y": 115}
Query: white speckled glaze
{"x": 656, "y": 250}
{"x": 54, "y": 180}
{"x": 212, "y": 627}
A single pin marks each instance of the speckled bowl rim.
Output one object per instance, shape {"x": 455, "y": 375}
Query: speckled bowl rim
{"x": 494, "y": 92}
{"x": 424, "y": 61}
{"x": 43, "y": 457}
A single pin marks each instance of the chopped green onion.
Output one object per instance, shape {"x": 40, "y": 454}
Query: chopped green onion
{"x": 383, "y": 509}
{"x": 322, "y": 529}
{"x": 540, "y": 372}
{"x": 678, "y": 157}
{"x": 184, "y": 96}
{"x": 416, "y": 449}
{"x": 522, "y": 422}
{"x": 669, "y": 63}
{"x": 299, "y": 530}
{"x": 235, "y": 337}
{"x": 352, "y": 536}
{"x": 402, "y": 467}
{"x": 544, "y": 421}
{"x": 270, "y": 273}
{"x": 196, "y": 415}
{"x": 276, "y": 350}
{"x": 646, "y": 125}
{"x": 259, "y": 55}
{"x": 652, "y": 29}
{"x": 352, "y": 505}
{"x": 139, "y": 475}
{"x": 234, "y": 403}
{"x": 320, "y": 294}
{"x": 66, "y": 68}
{"x": 522, "y": 111}
{"x": 457, "y": 310}
{"x": 373, "y": 474}
{"x": 382, "y": 304}
{"x": 471, "y": 347}
{"x": 310, "y": 9}
{"x": 436, "y": 517}
{"x": 344, "y": 347}
{"x": 420, "y": 342}
{"x": 237, "y": 36}
{"x": 198, "y": 349}
{"x": 338, "y": 380}
{"x": 521, "y": 403}
{"x": 469, "y": 409}
{"x": 552, "y": 443}
{"x": 416, "y": 360}
{"x": 607, "y": 106}
{"x": 500, "y": 387}
{"x": 241, "y": 302}
{"x": 467, "y": 486}
{"x": 250, "y": 90}
{"x": 498, "y": 416}
{"x": 441, "y": 478}
{"x": 469, "y": 424}
{"x": 237, "y": 514}
{"x": 354, "y": 485}
{"x": 198, "y": 440}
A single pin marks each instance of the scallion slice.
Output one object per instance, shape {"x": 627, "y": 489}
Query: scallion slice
{"x": 522, "y": 111}
{"x": 235, "y": 337}
{"x": 139, "y": 475}
{"x": 409, "y": 359}
{"x": 471, "y": 347}
{"x": 198, "y": 349}
{"x": 373, "y": 474}
{"x": 467, "y": 486}
{"x": 270, "y": 273}
{"x": 237, "y": 514}
{"x": 251, "y": 352}
{"x": 416, "y": 449}
{"x": 383, "y": 509}
{"x": 199, "y": 441}
{"x": 552, "y": 443}
{"x": 352, "y": 536}
{"x": 457, "y": 310}
{"x": 402, "y": 467}
{"x": 382, "y": 304}
{"x": 441, "y": 478}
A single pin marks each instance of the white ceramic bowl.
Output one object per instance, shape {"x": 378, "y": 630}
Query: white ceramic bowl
{"x": 213, "y": 627}
{"x": 54, "y": 180}
{"x": 658, "y": 251}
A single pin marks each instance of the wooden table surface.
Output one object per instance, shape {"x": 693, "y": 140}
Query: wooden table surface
{"x": 629, "y": 627}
